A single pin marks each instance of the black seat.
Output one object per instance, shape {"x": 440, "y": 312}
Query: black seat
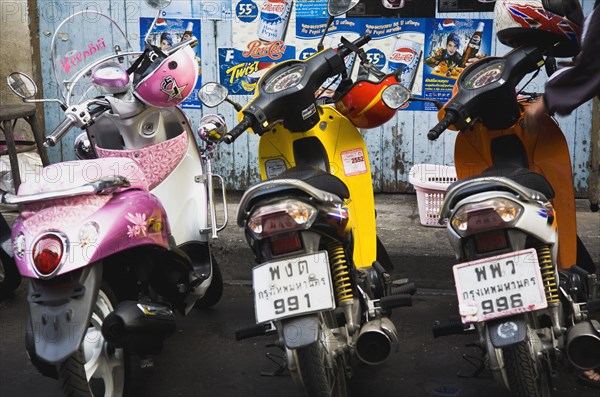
{"x": 509, "y": 160}
{"x": 318, "y": 179}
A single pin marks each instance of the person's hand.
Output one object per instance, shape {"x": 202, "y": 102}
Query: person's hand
{"x": 534, "y": 114}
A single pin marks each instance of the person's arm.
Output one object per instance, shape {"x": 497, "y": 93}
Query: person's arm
{"x": 571, "y": 87}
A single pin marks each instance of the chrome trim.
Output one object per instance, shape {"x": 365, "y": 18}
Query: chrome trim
{"x": 528, "y": 195}
{"x": 103, "y": 186}
{"x": 66, "y": 253}
{"x": 318, "y": 194}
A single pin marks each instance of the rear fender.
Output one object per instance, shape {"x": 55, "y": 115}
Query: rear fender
{"x": 507, "y": 331}
{"x": 301, "y": 331}
{"x": 60, "y": 311}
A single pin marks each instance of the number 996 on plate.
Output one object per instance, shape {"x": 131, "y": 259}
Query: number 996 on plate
{"x": 499, "y": 286}
{"x": 292, "y": 286}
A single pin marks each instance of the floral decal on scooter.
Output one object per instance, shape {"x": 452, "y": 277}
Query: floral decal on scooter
{"x": 139, "y": 225}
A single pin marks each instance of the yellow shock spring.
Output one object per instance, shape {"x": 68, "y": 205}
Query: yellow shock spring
{"x": 340, "y": 273}
{"x": 548, "y": 273}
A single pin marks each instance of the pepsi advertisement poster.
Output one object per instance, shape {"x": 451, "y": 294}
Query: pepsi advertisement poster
{"x": 166, "y": 33}
{"x": 466, "y": 5}
{"x": 393, "y": 9}
{"x": 450, "y": 46}
{"x": 262, "y": 35}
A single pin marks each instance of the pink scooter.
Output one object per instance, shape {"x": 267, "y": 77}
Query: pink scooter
{"x": 116, "y": 243}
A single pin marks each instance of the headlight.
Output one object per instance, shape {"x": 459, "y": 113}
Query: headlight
{"x": 281, "y": 217}
{"x": 485, "y": 215}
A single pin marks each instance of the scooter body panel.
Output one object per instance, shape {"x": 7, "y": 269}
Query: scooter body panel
{"x": 547, "y": 153}
{"x": 348, "y": 160}
{"x": 123, "y": 221}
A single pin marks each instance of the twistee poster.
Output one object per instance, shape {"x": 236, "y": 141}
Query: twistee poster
{"x": 263, "y": 35}
{"x": 466, "y": 5}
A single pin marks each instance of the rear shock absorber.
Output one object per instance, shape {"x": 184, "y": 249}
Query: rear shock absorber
{"x": 548, "y": 273}
{"x": 340, "y": 273}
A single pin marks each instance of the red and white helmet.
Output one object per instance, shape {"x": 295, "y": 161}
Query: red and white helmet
{"x": 169, "y": 81}
{"x": 552, "y": 24}
{"x": 370, "y": 104}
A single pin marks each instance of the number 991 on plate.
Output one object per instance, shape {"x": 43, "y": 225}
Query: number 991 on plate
{"x": 292, "y": 286}
{"x": 499, "y": 286}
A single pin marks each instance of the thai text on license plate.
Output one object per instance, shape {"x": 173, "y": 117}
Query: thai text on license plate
{"x": 292, "y": 286}
{"x": 499, "y": 286}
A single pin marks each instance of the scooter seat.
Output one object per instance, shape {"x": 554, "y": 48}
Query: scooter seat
{"x": 317, "y": 178}
{"x": 521, "y": 176}
{"x": 71, "y": 174}
{"x": 308, "y": 180}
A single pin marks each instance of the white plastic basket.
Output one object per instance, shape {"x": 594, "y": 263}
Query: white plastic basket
{"x": 431, "y": 182}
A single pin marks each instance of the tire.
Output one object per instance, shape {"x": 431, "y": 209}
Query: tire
{"x": 215, "y": 290}
{"x": 12, "y": 277}
{"x": 322, "y": 375}
{"x": 525, "y": 374}
{"x": 105, "y": 365}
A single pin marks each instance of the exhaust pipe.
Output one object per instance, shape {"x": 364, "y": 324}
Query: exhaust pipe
{"x": 376, "y": 340}
{"x": 141, "y": 327}
{"x": 583, "y": 345}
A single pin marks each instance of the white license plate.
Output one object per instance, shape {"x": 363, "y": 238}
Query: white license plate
{"x": 499, "y": 286}
{"x": 292, "y": 286}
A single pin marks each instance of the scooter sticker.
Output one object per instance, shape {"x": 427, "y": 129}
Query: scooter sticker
{"x": 139, "y": 225}
{"x": 354, "y": 162}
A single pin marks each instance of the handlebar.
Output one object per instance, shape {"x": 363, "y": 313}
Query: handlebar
{"x": 237, "y": 130}
{"x": 349, "y": 48}
{"x": 435, "y": 132}
{"x": 56, "y": 135}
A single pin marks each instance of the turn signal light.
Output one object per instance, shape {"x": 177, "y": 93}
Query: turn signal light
{"x": 485, "y": 215}
{"x": 48, "y": 254}
{"x": 282, "y": 217}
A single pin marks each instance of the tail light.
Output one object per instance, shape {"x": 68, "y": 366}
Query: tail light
{"x": 490, "y": 241}
{"x": 284, "y": 243}
{"x": 48, "y": 254}
{"x": 282, "y": 217}
{"x": 485, "y": 215}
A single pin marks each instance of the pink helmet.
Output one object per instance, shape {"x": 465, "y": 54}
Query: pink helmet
{"x": 552, "y": 24}
{"x": 167, "y": 81}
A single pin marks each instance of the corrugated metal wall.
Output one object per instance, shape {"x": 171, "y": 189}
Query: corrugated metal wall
{"x": 393, "y": 149}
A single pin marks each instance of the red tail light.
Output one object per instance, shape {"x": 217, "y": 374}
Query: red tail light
{"x": 491, "y": 241}
{"x": 284, "y": 243}
{"x": 48, "y": 253}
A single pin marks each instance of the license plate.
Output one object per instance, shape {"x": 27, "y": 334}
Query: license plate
{"x": 499, "y": 286}
{"x": 292, "y": 286}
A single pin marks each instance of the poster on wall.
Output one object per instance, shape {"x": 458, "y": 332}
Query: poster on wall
{"x": 395, "y": 43}
{"x": 263, "y": 35}
{"x": 450, "y": 46}
{"x": 166, "y": 33}
{"x": 203, "y": 10}
{"x": 393, "y": 9}
{"x": 466, "y": 5}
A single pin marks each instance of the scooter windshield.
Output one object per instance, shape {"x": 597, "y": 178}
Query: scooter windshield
{"x": 81, "y": 43}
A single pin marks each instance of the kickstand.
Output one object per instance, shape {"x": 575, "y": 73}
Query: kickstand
{"x": 280, "y": 361}
{"x": 475, "y": 361}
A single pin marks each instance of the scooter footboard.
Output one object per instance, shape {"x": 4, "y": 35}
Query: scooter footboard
{"x": 60, "y": 311}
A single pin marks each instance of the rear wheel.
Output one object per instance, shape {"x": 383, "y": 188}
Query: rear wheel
{"x": 322, "y": 372}
{"x": 525, "y": 373}
{"x": 97, "y": 368}
{"x": 12, "y": 277}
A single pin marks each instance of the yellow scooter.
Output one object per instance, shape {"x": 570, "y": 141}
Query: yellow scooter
{"x": 323, "y": 282}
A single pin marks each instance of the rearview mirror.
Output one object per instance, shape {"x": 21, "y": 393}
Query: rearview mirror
{"x": 212, "y": 94}
{"x": 158, "y": 4}
{"x": 395, "y": 96}
{"x": 22, "y": 85}
{"x": 212, "y": 128}
{"x": 339, "y": 7}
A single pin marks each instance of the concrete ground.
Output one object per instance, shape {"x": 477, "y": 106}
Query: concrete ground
{"x": 204, "y": 359}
